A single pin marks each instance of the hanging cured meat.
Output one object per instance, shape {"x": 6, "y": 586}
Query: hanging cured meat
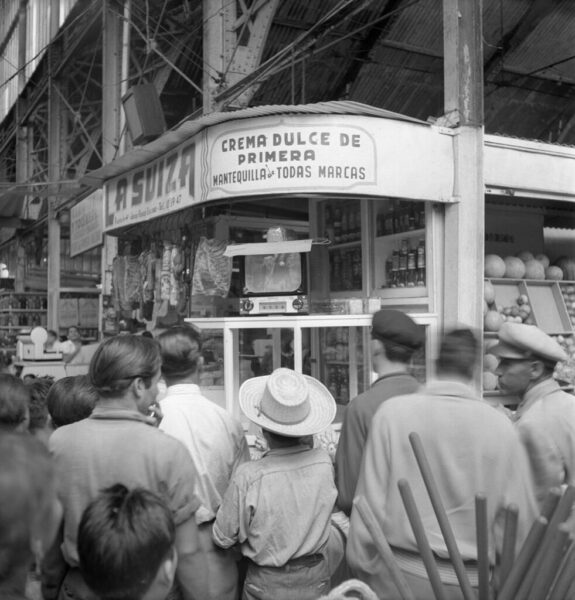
{"x": 212, "y": 270}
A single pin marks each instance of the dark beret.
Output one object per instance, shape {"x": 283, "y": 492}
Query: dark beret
{"x": 395, "y": 326}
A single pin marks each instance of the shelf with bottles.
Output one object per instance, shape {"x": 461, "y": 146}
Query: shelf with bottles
{"x": 395, "y": 217}
{"x": 342, "y": 221}
{"x": 401, "y": 264}
{"x": 26, "y": 301}
{"x": 342, "y": 352}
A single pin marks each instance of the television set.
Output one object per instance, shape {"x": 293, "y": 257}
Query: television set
{"x": 273, "y": 283}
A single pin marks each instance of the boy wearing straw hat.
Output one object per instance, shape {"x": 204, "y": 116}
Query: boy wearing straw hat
{"x": 277, "y": 510}
{"x": 545, "y": 418}
{"x": 471, "y": 448}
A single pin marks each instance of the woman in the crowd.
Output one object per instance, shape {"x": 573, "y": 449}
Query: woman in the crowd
{"x": 213, "y": 437}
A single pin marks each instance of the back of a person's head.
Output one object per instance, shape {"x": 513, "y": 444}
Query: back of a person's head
{"x": 27, "y": 500}
{"x": 458, "y": 354}
{"x": 124, "y": 538}
{"x": 71, "y": 399}
{"x": 180, "y": 347}
{"x": 38, "y": 388}
{"x": 14, "y": 400}
{"x": 119, "y": 360}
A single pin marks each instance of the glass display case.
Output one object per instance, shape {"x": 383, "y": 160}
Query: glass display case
{"x": 332, "y": 348}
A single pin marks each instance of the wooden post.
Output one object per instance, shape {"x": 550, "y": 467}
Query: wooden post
{"x": 55, "y": 141}
{"x": 465, "y": 218}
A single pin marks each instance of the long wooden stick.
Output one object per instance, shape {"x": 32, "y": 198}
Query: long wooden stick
{"x": 550, "y": 564}
{"x": 550, "y": 503}
{"x": 520, "y": 566}
{"x": 421, "y": 539}
{"x": 383, "y": 548}
{"x": 565, "y": 577}
{"x": 441, "y": 515}
{"x": 509, "y": 542}
{"x": 482, "y": 535}
{"x": 560, "y": 514}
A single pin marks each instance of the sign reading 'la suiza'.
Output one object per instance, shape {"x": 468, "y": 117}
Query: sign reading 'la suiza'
{"x": 282, "y": 154}
{"x": 161, "y": 187}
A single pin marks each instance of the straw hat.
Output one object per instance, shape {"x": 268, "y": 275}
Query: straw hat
{"x": 287, "y": 403}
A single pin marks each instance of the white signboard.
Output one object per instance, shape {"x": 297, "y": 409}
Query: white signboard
{"x": 291, "y": 156}
{"x": 161, "y": 187}
{"x": 86, "y": 224}
{"x": 283, "y": 154}
{"x": 332, "y": 154}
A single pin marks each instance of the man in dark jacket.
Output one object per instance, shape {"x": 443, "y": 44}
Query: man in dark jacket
{"x": 394, "y": 339}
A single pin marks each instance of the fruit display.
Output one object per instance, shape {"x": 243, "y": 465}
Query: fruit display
{"x": 517, "y": 311}
{"x": 565, "y": 371}
{"x": 568, "y": 292}
{"x": 526, "y": 284}
{"x": 526, "y": 266}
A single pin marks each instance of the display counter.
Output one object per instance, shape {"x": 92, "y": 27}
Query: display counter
{"x": 332, "y": 348}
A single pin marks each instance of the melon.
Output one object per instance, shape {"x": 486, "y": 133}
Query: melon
{"x": 543, "y": 259}
{"x": 489, "y": 381}
{"x": 525, "y": 255}
{"x": 534, "y": 270}
{"x": 514, "y": 267}
{"x": 490, "y": 362}
{"x": 553, "y": 272}
{"x": 488, "y": 292}
{"x": 567, "y": 265}
{"x": 494, "y": 266}
{"x": 493, "y": 321}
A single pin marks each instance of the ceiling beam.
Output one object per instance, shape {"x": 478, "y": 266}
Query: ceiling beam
{"x": 537, "y": 11}
{"x": 380, "y": 29}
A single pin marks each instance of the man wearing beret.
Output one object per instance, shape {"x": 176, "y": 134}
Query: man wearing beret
{"x": 470, "y": 448}
{"x": 545, "y": 417}
{"x": 394, "y": 339}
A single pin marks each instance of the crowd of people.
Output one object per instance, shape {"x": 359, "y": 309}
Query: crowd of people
{"x": 112, "y": 491}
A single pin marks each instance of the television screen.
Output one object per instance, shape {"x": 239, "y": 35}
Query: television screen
{"x": 273, "y": 273}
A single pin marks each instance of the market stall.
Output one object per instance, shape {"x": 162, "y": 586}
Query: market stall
{"x": 280, "y": 230}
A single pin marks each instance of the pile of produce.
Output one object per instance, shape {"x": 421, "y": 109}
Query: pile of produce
{"x": 494, "y": 315}
{"x": 527, "y": 266}
{"x": 565, "y": 371}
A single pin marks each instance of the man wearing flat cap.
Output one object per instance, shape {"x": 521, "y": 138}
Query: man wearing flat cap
{"x": 545, "y": 418}
{"x": 394, "y": 339}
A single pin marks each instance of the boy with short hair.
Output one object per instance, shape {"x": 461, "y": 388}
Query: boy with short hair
{"x": 71, "y": 399}
{"x": 126, "y": 545}
{"x": 278, "y": 510}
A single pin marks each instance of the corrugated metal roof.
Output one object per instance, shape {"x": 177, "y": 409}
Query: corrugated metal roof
{"x": 144, "y": 154}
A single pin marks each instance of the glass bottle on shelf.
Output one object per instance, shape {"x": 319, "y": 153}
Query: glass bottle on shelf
{"x": 357, "y": 269}
{"x": 336, "y": 279}
{"x": 420, "y": 263}
{"x": 328, "y": 223}
{"x": 345, "y": 224}
{"x": 396, "y": 216}
{"x": 411, "y": 276}
{"x": 412, "y": 218}
{"x": 388, "y": 273}
{"x": 394, "y": 269}
{"x": 402, "y": 275}
{"x": 337, "y": 224}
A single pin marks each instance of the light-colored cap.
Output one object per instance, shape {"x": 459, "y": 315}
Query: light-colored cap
{"x": 520, "y": 341}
